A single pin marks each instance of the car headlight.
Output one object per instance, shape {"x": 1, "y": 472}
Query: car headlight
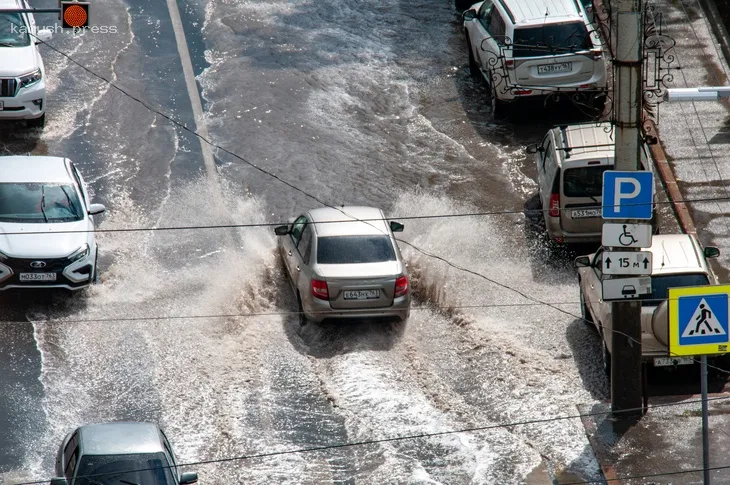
{"x": 30, "y": 79}
{"x": 80, "y": 253}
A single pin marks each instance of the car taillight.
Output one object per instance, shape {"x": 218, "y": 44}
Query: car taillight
{"x": 509, "y": 63}
{"x": 401, "y": 286}
{"x": 518, "y": 92}
{"x": 554, "y": 205}
{"x": 320, "y": 290}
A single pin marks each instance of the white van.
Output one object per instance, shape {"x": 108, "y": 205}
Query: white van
{"x": 570, "y": 164}
{"x": 22, "y": 75}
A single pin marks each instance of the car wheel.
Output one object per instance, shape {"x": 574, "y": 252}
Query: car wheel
{"x": 585, "y": 312}
{"x": 300, "y": 308}
{"x": 473, "y": 66}
{"x": 606, "y": 357}
{"x": 37, "y": 122}
{"x": 95, "y": 274}
{"x": 499, "y": 107}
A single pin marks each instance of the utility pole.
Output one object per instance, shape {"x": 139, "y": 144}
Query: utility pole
{"x": 626, "y": 377}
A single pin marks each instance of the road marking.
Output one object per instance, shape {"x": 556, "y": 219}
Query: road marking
{"x": 192, "y": 87}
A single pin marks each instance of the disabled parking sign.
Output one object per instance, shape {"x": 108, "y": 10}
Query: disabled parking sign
{"x": 698, "y": 320}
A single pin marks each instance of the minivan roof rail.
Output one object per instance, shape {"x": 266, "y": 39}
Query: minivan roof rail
{"x": 565, "y": 141}
{"x": 506, "y": 9}
{"x": 579, "y": 7}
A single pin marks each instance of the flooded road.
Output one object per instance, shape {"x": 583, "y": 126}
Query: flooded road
{"x": 354, "y": 102}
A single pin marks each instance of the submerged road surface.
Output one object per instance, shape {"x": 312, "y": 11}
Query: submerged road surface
{"x": 354, "y": 102}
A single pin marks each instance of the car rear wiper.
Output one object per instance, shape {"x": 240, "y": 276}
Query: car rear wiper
{"x": 43, "y": 203}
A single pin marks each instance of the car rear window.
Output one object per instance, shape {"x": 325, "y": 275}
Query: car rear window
{"x": 584, "y": 181}
{"x": 551, "y": 39}
{"x": 39, "y": 203}
{"x": 143, "y": 468}
{"x": 354, "y": 249}
{"x": 660, "y": 285}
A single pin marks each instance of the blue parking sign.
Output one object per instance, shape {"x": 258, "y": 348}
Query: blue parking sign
{"x": 628, "y": 195}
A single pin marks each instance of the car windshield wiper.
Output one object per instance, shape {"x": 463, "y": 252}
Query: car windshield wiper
{"x": 6, "y": 44}
{"x": 70, "y": 202}
{"x": 43, "y": 202}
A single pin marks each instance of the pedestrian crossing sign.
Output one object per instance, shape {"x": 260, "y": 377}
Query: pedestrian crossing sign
{"x": 698, "y": 320}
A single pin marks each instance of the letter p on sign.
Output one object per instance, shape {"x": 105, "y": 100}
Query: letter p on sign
{"x": 628, "y": 195}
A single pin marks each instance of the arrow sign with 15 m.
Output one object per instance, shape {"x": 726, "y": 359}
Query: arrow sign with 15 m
{"x": 637, "y": 263}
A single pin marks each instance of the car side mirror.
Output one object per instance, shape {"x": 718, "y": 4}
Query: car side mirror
{"x": 396, "y": 226}
{"x": 281, "y": 230}
{"x": 711, "y": 252}
{"x": 532, "y": 149}
{"x": 469, "y": 15}
{"x": 43, "y": 35}
{"x": 582, "y": 262}
{"x": 189, "y": 477}
{"x": 59, "y": 481}
{"x": 96, "y": 209}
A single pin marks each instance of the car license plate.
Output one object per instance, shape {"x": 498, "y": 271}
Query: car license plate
{"x": 362, "y": 294}
{"x": 672, "y": 361}
{"x": 583, "y": 213}
{"x": 552, "y": 68}
{"x": 37, "y": 276}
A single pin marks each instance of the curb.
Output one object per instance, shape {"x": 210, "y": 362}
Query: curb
{"x": 649, "y": 128}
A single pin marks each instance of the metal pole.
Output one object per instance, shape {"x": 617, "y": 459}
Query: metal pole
{"x": 705, "y": 427}
{"x": 626, "y": 375}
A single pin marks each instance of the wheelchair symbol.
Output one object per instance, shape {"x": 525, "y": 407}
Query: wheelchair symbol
{"x": 626, "y": 238}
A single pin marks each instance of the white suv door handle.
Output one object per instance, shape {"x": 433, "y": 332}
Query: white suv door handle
{"x": 298, "y": 269}
{"x": 289, "y": 252}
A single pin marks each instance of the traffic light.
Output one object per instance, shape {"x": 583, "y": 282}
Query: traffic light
{"x": 74, "y": 15}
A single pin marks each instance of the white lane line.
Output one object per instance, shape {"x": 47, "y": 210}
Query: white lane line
{"x": 193, "y": 94}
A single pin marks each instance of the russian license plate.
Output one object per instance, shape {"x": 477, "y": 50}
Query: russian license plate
{"x": 362, "y": 294}
{"x": 583, "y": 213}
{"x": 37, "y": 276}
{"x": 672, "y": 361}
{"x": 551, "y": 68}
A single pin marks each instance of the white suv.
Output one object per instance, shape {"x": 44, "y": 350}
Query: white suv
{"x": 46, "y": 225}
{"x": 22, "y": 75}
{"x": 526, "y": 48}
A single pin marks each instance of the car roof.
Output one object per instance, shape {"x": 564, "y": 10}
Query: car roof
{"x": 546, "y": 11}
{"x": 676, "y": 253}
{"x": 373, "y": 221}
{"x": 26, "y": 169}
{"x": 587, "y": 140}
{"x": 121, "y": 438}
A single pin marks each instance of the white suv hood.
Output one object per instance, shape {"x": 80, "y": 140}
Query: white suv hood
{"x": 42, "y": 246}
{"x": 16, "y": 61}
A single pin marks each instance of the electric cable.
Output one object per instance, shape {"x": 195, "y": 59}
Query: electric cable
{"x": 396, "y": 439}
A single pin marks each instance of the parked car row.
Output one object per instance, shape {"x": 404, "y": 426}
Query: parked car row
{"x": 524, "y": 49}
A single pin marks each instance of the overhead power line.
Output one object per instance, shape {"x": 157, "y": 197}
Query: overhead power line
{"x": 410, "y": 437}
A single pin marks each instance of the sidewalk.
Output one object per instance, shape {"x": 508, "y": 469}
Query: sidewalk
{"x": 695, "y": 138}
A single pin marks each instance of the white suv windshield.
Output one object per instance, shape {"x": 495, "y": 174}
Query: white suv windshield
{"x": 13, "y": 31}
{"x": 551, "y": 39}
{"x": 39, "y": 203}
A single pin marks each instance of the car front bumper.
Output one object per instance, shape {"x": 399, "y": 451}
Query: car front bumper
{"x": 29, "y": 103}
{"x": 69, "y": 275}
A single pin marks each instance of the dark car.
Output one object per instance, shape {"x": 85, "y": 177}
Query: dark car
{"x": 114, "y": 453}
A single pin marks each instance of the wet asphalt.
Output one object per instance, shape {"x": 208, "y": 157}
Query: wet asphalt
{"x": 354, "y": 102}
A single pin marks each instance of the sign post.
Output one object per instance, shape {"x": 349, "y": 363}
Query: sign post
{"x": 698, "y": 325}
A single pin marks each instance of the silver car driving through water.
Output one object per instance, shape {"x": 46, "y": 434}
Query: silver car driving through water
{"x": 345, "y": 263}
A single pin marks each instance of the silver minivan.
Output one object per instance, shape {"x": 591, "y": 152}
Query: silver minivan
{"x": 570, "y": 164}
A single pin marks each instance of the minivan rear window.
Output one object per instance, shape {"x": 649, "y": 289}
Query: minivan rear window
{"x": 551, "y": 39}
{"x": 354, "y": 249}
{"x": 584, "y": 181}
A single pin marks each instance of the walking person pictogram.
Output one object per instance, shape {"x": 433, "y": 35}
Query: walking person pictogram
{"x": 704, "y": 318}
{"x": 626, "y": 238}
